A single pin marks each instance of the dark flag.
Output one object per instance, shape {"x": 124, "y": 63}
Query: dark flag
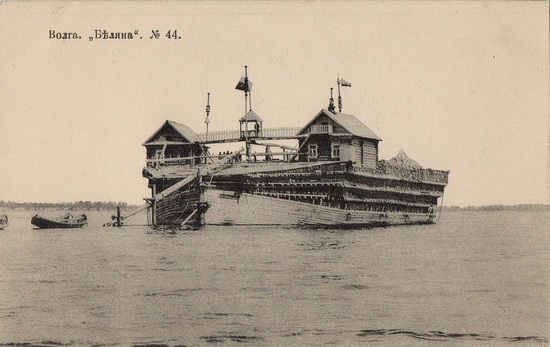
{"x": 344, "y": 83}
{"x": 242, "y": 85}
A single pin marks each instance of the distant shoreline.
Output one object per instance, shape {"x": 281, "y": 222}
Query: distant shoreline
{"x": 521, "y": 207}
{"x": 110, "y": 206}
{"x": 66, "y": 206}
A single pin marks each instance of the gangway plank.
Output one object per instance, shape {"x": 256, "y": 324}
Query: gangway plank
{"x": 202, "y": 171}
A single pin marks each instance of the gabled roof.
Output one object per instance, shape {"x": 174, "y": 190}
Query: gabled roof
{"x": 353, "y": 125}
{"x": 181, "y": 129}
{"x": 250, "y": 116}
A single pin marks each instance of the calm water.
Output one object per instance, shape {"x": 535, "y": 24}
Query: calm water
{"x": 473, "y": 279}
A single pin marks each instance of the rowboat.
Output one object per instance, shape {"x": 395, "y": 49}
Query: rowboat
{"x": 65, "y": 221}
{"x": 3, "y": 221}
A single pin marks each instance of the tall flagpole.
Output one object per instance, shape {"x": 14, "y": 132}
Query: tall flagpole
{"x": 245, "y": 103}
{"x": 244, "y": 85}
{"x": 342, "y": 83}
{"x": 339, "y": 96}
{"x": 247, "y": 89}
{"x": 207, "y": 120}
{"x": 331, "y": 102}
{"x": 245, "y": 113}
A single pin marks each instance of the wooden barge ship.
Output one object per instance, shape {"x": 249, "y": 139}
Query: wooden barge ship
{"x": 331, "y": 177}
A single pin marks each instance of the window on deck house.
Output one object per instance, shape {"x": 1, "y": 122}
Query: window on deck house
{"x": 335, "y": 150}
{"x": 312, "y": 150}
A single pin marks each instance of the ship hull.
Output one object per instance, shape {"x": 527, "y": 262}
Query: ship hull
{"x": 323, "y": 194}
{"x": 226, "y": 208}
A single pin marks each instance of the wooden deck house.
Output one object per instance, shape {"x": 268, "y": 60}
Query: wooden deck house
{"x": 174, "y": 143}
{"x": 338, "y": 137}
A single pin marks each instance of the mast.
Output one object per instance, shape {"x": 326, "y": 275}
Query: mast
{"x": 246, "y": 90}
{"x": 344, "y": 84}
{"x": 331, "y": 103}
{"x": 339, "y": 96}
{"x": 245, "y": 85}
{"x": 207, "y": 120}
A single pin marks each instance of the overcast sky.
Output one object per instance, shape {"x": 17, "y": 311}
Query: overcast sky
{"x": 459, "y": 86}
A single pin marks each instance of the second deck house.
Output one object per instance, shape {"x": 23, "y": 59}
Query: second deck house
{"x": 338, "y": 137}
{"x": 174, "y": 143}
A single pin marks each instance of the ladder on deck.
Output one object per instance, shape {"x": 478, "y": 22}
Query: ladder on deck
{"x": 209, "y": 169}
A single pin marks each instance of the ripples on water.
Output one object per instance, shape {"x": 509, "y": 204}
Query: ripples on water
{"x": 472, "y": 279}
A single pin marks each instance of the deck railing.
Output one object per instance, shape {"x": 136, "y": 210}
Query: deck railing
{"x": 191, "y": 161}
{"x": 203, "y": 159}
{"x": 281, "y": 132}
{"x": 223, "y": 135}
{"x": 237, "y": 135}
{"x": 321, "y": 129}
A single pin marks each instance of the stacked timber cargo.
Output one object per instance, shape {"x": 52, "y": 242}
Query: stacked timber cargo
{"x": 345, "y": 187}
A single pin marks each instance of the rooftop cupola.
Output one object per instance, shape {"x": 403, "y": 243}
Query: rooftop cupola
{"x": 250, "y": 125}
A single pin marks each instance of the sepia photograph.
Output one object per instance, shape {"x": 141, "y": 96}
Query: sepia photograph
{"x": 274, "y": 173}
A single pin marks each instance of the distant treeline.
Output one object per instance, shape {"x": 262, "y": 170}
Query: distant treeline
{"x": 110, "y": 205}
{"x": 69, "y": 206}
{"x": 523, "y": 207}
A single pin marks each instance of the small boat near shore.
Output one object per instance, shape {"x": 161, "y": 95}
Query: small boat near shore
{"x": 64, "y": 222}
{"x": 3, "y": 221}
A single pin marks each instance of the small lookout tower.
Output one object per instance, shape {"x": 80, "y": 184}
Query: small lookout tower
{"x": 254, "y": 129}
